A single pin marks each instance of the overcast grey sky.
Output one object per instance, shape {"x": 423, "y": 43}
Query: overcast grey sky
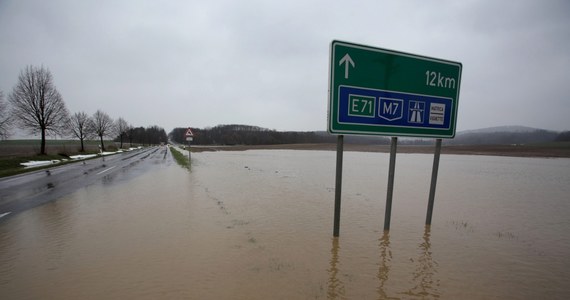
{"x": 265, "y": 63}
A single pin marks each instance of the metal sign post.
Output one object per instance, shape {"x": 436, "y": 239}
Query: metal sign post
{"x": 338, "y": 185}
{"x": 375, "y": 91}
{"x": 390, "y": 190}
{"x": 433, "y": 181}
{"x": 189, "y": 138}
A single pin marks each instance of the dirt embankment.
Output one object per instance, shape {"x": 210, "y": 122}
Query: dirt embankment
{"x": 549, "y": 150}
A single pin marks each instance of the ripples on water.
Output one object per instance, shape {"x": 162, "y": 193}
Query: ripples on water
{"x": 258, "y": 225}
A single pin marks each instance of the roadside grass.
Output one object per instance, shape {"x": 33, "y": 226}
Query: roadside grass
{"x": 180, "y": 158}
{"x": 72, "y": 144}
{"x": 12, "y": 165}
{"x": 28, "y": 148}
{"x": 15, "y": 152}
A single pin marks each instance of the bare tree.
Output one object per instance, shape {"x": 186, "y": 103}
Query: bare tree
{"x": 37, "y": 105}
{"x": 130, "y": 135}
{"x": 122, "y": 127}
{"x": 5, "y": 118}
{"x": 80, "y": 127}
{"x": 102, "y": 126}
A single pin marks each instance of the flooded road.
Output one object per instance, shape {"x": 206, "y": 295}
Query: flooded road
{"x": 258, "y": 225}
{"x": 24, "y": 191}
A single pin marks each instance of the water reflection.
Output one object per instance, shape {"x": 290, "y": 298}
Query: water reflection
{"x": 108, "y": 179}
{"x": 335, "y": 285}
{"x": 425, "y": 281}
{"x": 53, "y": 226}
{"x": 384, "y": 266}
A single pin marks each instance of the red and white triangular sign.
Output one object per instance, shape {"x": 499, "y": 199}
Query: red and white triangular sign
{"x": 189, "y": 133}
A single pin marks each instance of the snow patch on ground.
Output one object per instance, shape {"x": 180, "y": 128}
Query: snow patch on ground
{"x": 79, "y": 157}
{"x": 39, "y": 163}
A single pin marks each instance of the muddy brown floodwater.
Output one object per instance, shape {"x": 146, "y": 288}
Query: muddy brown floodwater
{"x": 258, "y": 225}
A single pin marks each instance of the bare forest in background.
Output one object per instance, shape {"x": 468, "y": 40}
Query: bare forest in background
{"x": 254, "y": 135}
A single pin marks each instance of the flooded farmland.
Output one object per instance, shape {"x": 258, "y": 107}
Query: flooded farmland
{"x": 258, "y": 225}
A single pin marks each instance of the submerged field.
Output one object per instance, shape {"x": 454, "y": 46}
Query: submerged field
{"x": 560, "y": 149}
{"x": 257, "y": 224}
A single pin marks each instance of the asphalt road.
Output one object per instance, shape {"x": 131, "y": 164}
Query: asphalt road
{"x": 21, "y": 192}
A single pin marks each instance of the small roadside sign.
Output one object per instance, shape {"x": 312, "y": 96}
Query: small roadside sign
{"x": 189, "y": 135}
{"x": 375, "y": 91}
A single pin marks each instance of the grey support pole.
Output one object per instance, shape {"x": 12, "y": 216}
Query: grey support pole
{"x": 338, "y": 185}
{"x": 433, "y": 180}
{"x": 391, "y": 171}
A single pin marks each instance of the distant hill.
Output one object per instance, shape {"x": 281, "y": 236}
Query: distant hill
{"x": 503, "y": 135}
{"x": 511, "y": 128}
{"x": 563, "y": 137}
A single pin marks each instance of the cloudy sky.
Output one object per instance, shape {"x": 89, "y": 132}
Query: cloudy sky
{"x": 265, "y": 63}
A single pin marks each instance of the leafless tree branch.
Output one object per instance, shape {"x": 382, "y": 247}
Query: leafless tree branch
{"x": 5, "y": 118}
{"x": 37, "y": 105}
{"x": 102, "y": 126}
{"x": 80, "y": 125}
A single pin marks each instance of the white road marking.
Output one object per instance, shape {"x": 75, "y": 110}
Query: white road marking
{"x": 105, "y": 170}
{"x": 5, "y": 214}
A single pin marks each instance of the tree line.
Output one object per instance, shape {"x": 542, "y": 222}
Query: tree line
{"x": 235, "y": 134}
{"x": 254, "y": 135}
{"x": 36, "y": 105}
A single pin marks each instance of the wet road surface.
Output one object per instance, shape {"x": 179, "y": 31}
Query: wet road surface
{"x": 21, "y": 192}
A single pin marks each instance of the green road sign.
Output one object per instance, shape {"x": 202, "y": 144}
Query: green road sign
{"x": 376, "y": 91}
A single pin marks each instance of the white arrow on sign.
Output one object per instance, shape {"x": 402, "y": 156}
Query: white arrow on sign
{"x": 347, "y": 61}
